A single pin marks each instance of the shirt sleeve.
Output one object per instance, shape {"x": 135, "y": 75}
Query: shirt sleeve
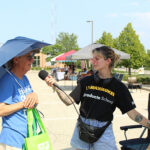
{"x": 6, "y": 91}
{"x": 76, "y": 93}
{"x": 124, "y": 99}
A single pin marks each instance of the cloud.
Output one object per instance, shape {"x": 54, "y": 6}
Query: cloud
{"x": 143, "y": 17}
{"x": 140, "y": 22}
{"x": 144, "y": 38}
{"x": 137, "y": 15}
{"x": 113, "y": 15}
{"x": 142, "y": 34}
{"x": 134, "y": 4}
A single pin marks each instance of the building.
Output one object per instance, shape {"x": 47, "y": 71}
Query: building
{"x": 39, "y": 60}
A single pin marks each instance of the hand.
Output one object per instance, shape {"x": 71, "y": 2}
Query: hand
{"x": 50, "y": 81}
{"x": 148, "y": 148}
{"x": 31, "y": 100}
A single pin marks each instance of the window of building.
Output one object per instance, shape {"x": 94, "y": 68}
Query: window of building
{"x": 36, "y": 62}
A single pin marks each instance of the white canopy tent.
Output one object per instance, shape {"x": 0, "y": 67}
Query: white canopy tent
{"x": 86, "y": 53}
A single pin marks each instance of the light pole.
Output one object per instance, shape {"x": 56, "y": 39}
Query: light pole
{"x": 91, "y": 21}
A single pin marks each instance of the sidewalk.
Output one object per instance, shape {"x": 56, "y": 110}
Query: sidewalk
{"x": 60, "y": 120}
{"x": 144, "y": 86}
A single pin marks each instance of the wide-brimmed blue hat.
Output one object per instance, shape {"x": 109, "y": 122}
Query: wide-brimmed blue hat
{"x": 18, "y": 46}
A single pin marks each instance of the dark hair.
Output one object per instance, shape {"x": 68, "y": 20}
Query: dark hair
{"x": 9, "y": 64}
{"x": 107, "y": 52}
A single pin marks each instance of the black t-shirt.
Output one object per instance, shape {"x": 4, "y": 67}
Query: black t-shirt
{"x": 99, "y": 100}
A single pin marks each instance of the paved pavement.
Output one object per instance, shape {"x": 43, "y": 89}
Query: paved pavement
{"x": 144, "y": 86}
{"x": 60, "y": 119}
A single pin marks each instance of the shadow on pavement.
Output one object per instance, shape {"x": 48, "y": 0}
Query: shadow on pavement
{"x": 69, "y": 148}
{"x": 67, "y": 88}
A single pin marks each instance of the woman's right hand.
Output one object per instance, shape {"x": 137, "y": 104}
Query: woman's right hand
{"x": 31, "y": 100}
{"x": 50, "y": 81}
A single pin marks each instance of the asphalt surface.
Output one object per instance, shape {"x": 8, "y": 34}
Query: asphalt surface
{"x": 60, "y": 119}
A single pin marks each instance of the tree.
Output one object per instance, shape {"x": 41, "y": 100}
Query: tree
{"x": 116, "y": 42}
{"x": 67, "y": 41}
{"x": 106, "y": 39}
{"x": 148, "y": 52}
{"x": 147, "y": 60}
{"x": 64, "y": 43}
{"x": 52, "y": 51}
{"x": 128, "y": 42}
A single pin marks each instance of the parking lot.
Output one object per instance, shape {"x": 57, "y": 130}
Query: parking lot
{"x": 60, "y": 119}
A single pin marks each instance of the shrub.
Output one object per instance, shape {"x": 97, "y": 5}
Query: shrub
{"x": 144, "y": 80}
{"x": 36, "y": 68}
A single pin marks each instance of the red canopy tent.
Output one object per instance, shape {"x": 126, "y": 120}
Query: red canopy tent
{"x": 63, "y": 57}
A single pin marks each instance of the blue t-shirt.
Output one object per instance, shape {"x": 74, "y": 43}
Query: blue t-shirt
{"x": 14, "y": 126}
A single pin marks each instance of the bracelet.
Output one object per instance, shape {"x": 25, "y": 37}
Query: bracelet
{"x": 54, "y": 88}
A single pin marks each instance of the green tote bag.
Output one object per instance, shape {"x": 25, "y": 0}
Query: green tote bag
{"x": 36, "y": 140}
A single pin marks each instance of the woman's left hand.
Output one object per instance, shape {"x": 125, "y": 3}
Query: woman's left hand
{"x": 31, "y": 100}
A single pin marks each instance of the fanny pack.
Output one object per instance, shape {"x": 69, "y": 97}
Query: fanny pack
{"x": 88, "y": 133}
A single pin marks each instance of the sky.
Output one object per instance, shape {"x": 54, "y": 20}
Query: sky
{"x": 45, "y": 19}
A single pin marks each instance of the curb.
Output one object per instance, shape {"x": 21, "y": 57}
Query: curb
{"x": 143, "y": 88}
{"x": 147, "y": 89}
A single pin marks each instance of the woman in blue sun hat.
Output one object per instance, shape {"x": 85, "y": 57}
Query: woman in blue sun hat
{"x": 16, "y": 96}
